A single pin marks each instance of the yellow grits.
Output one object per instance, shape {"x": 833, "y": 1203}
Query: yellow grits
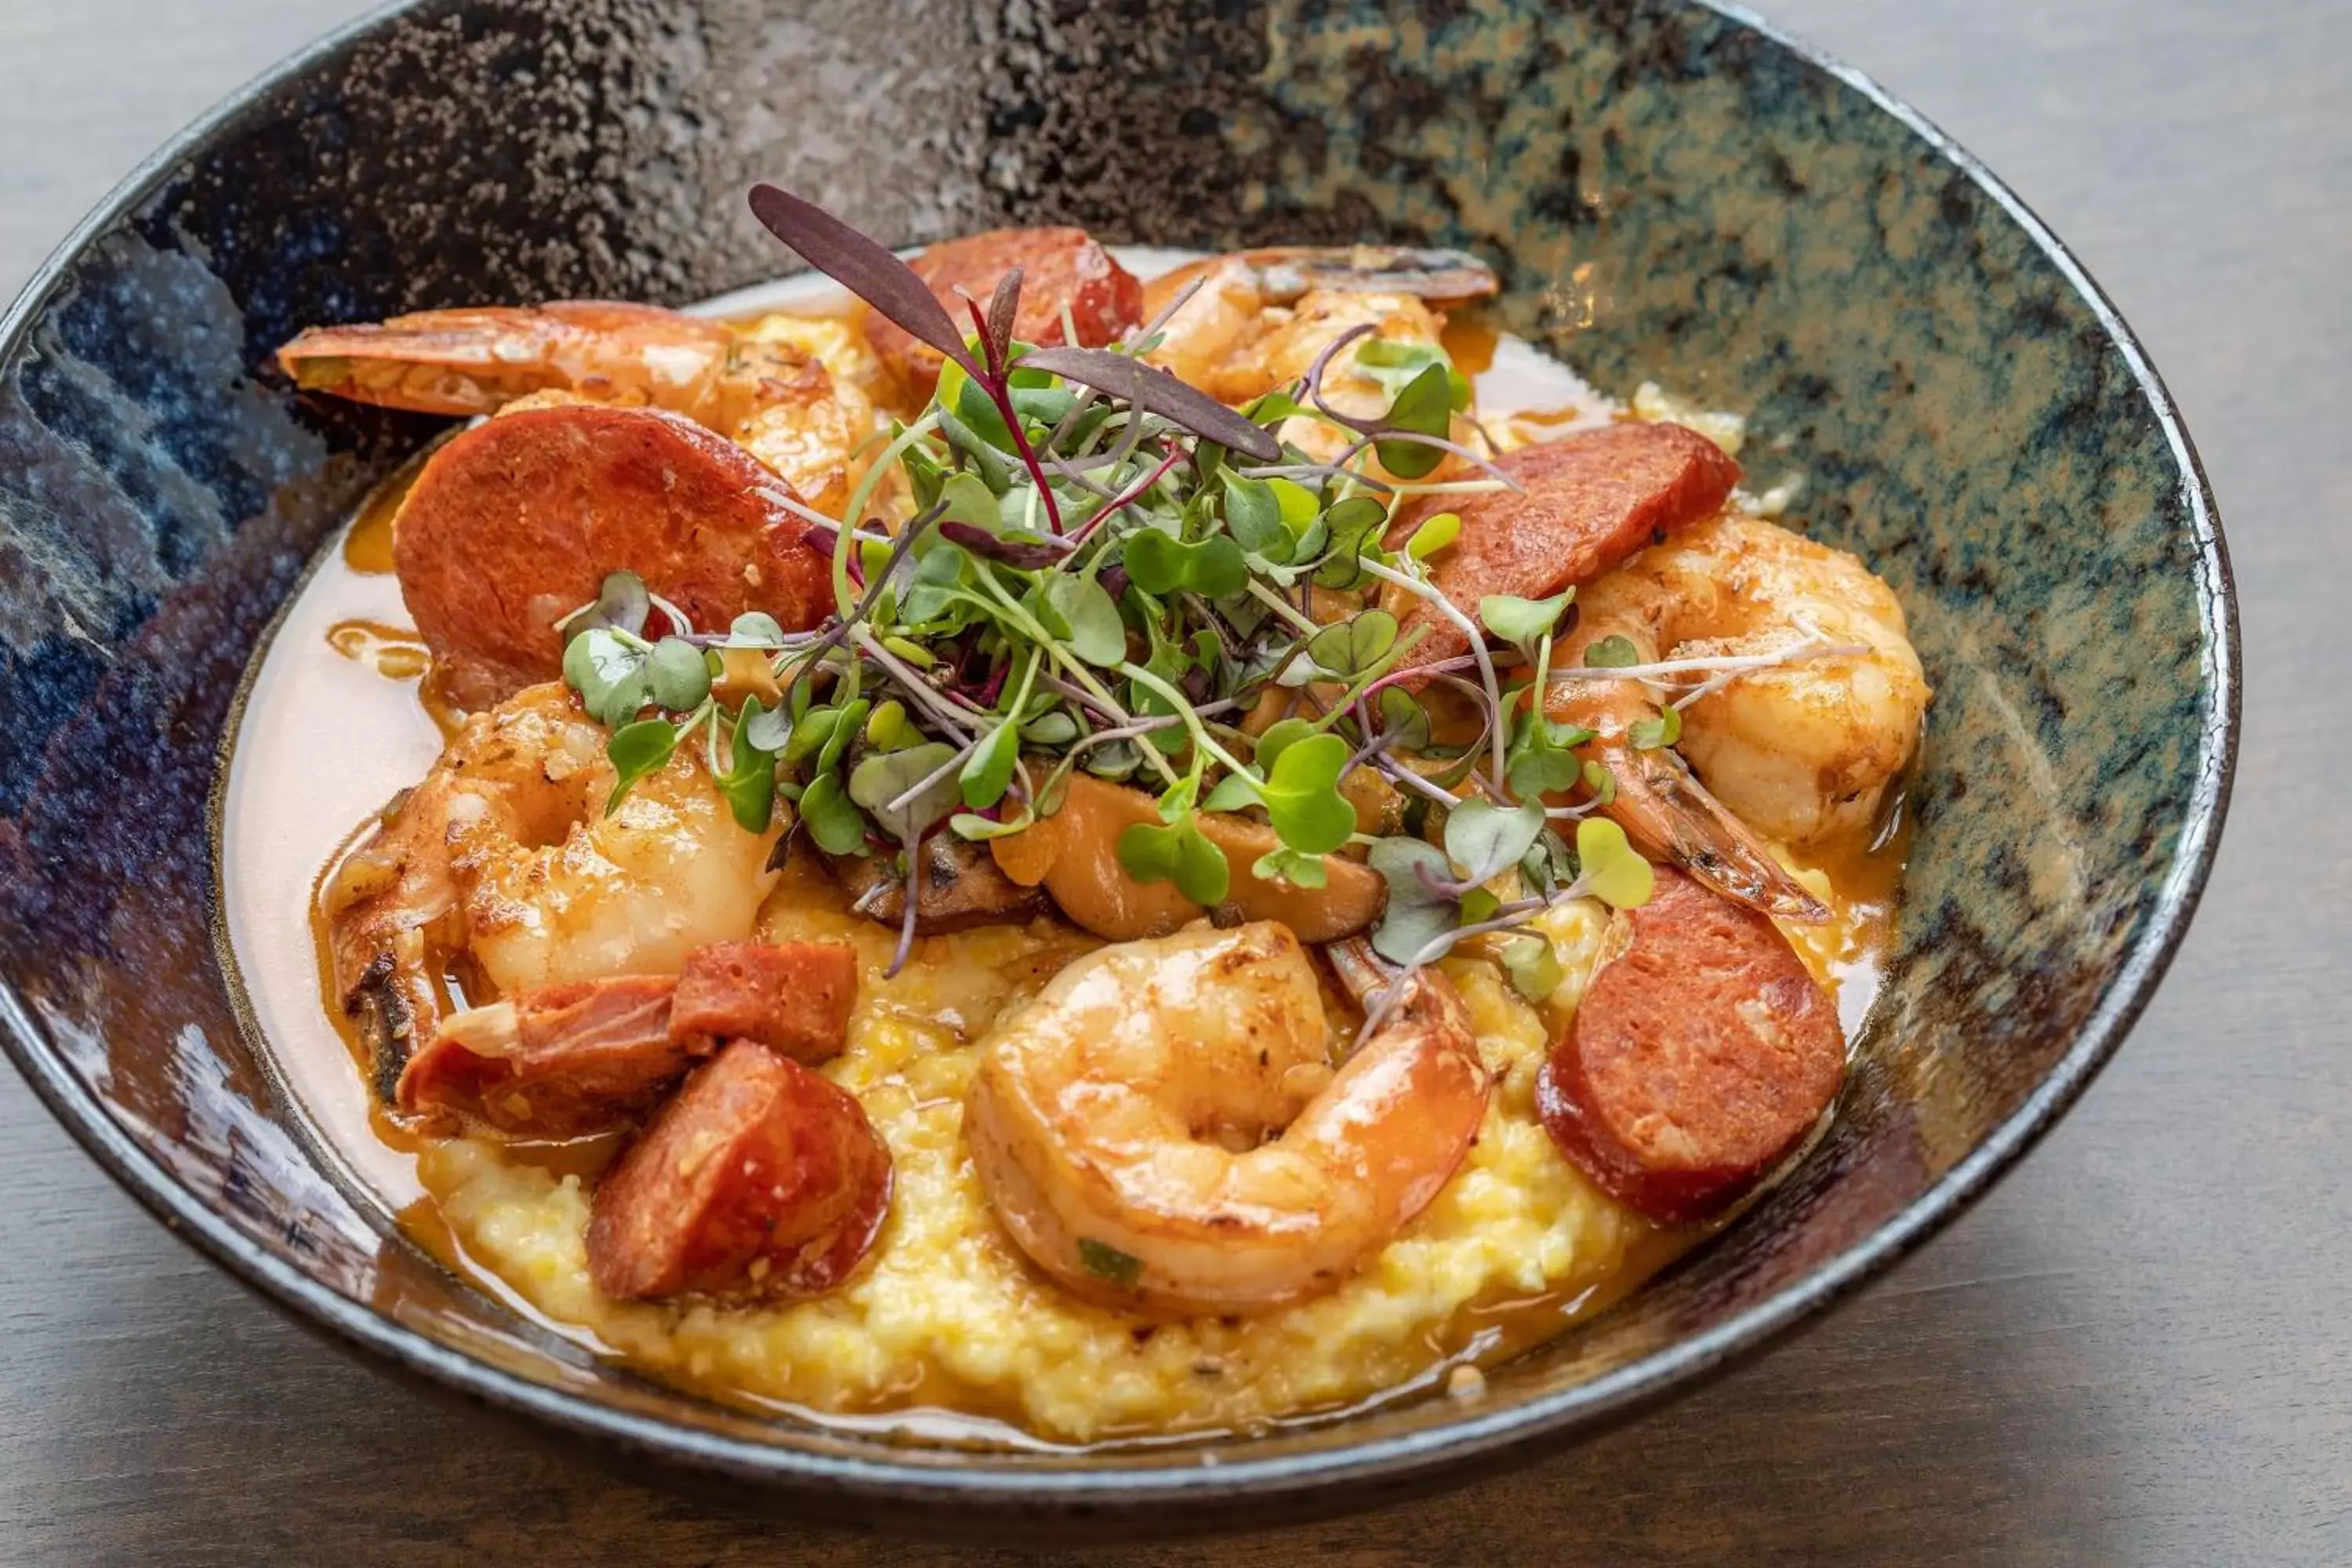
{"x": 947, "y": 1314}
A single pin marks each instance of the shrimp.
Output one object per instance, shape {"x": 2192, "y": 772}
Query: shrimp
{"x": 769, "y": 391}
{"x": 1161, "y": 1128}
{"x": 504, "y": 861}
{"x": 1801, "y": 751}
{"x": 1259, "y": 318}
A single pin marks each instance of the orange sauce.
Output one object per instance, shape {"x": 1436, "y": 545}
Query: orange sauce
{"x": 1469, "y": 338}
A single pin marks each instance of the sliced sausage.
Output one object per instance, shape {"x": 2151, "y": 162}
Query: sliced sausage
{"x": 514, "y": 524}
{"x": 1701, "y": 1055}
{"x": 1585, "y": 503}
{"x": 562, "y": 1062}
{"x": 1059, "y": 267}
{"x": 760, "y": 1181}
{"x": 793, "y": 997}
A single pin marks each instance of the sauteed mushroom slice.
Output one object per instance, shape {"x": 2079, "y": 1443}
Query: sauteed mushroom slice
{"x": 963, "y": 888}
{"x": 1074, "y": 856}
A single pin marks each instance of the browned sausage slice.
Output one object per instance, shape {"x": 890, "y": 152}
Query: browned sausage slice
{"x": 562, "y": 1062}
{"x": 794, "y": 997}
{"x": 514, "y": 524}
{"x": 1702, "y": 1053}
{"x": 1059, "y": 267}
{"x": 1586, "y": 502}
{"x": 760, "y": 1181}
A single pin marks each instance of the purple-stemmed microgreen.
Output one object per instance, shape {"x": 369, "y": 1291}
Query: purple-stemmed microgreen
{"x": 1102, "y": 568}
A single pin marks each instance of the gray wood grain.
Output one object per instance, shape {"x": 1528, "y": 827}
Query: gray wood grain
{"x": 2135, "y": 1351}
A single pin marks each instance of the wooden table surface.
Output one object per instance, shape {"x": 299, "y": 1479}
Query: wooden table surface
{"x": 2137, "y": 1350}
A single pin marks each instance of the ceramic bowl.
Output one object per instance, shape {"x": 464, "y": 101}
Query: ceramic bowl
{"x": 1672, "y": 192}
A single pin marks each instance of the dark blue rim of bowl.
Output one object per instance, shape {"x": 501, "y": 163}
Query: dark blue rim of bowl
{"x": 1445, "y": 1447}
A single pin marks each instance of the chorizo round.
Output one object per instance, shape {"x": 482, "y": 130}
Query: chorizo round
{"x": 561, "y": 1061}
{"x": 760, "y": 1181}
{"x": 1702, "y": 1053}
{"x": 514, "y": 524}
{"x": 1059, "y": 268}
{"x": 1585, "y": 502}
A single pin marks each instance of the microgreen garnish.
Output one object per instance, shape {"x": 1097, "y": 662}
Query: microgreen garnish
{"x": 862, "y": 266}
{"x": 1107, "y": 569}
{"x": 1105, "y": 1261}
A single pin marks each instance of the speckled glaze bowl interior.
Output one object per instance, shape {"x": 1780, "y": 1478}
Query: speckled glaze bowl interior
{"x": 1671, "y": 192}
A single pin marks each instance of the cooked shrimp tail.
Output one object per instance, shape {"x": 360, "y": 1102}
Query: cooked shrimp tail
{"x": 1360, "y": 970}
{"x": 478, "y": 359}
{"x": 795, "y": 399}
{"x": 1666, "y": 811}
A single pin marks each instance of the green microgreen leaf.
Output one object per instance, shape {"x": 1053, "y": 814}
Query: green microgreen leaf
{"x": 1234, "y": 792}
{"x": 1656, "y": 734}
{"x": 811, "y": 731}
{"x": 1078, "y": 611}
{"x": 988, "y": 772}
{"x": 750, "y": 781}
{"x": 880, "y": 785}
{"x": 1296, "y": 503}
{"x": 1274, "y": 408}
{"x": 968, "y": 499}
{"x": 1346, "y": 649}
{"x": 1159, "y": 564}
{"x": 1415, "y": 916}
{"x": 1611, "y": 652}
{"x": 1393, "y": 362}
{"x": 1179, "y": 853}
{"x": 1611, "y": 869}
{"x": 1541, "y": 758}
{"x": 1051, "y": 730}
{"x": 994, "y": 470}
{"x": 1433, "y": 535}
{"x": 1602, "y": 782}
{"x": 755, "y": 628}
{"x": 621, "y": 601}
{"x": 911, "y": 652}
{"x": 966, "y": 824}
{"x": 609, "y": 672}
{"x": 888, "y": 728}
{"x": 637, "y": 752}
{"x": 1522, "y": 621}
{"x": 1353, "y": 529}
{"x": 1115, "y": 761}
{"x": 1425, "y": 408}
{"x": 1278, "y": 738}
{"x": 1404, "y": 719}
{"x": 676, "y": 675}
{"x": 1302, "y": 796}
{"x": 1177, "y": 804}
{"x": 1107, "y": 1262}
{"x": 1287, "y": 865}
{"x": 1549, "y": 864}
{"x": 833, "y": 821}
{"x": 1484, "y": 838}
{"x": 925, "y": 477}
{"x": 770, "y": 730}
{"x": 1254, "y": 516}
{"x": 941, "y": 581}
{"x": 1533, "y": 967}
